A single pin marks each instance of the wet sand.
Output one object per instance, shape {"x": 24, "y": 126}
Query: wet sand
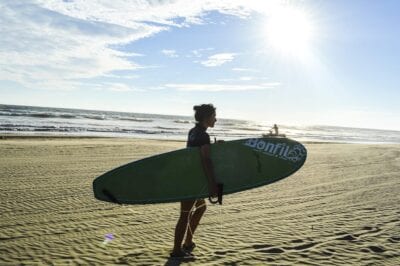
{"x": 341, "y": 208}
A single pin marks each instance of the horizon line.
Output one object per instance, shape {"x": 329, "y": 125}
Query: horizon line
{"x": 224, "y": 118}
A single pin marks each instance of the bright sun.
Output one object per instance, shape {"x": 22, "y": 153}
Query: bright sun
{"x": 290, "y": 30}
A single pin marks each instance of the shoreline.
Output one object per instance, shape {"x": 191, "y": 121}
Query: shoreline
{"x": 30, "y": 121}
{"x": 75, "y": 137}
{"x": 78, "y": 137}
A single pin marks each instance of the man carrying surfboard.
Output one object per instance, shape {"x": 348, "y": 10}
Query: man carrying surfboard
{"x": 193, "y": 210}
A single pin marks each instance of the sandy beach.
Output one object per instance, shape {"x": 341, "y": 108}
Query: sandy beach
{"x": 341, "y": 208}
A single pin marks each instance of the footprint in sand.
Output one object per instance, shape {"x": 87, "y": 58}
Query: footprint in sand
{"x": 326, "y": 253}
{"x": 347, "y": 237}
{"x": 261, "y": 246}
{"x": 272, "y": 250}
{"x": 305, "y": 246}
{"x": 374, "y": 249}
{"x": 223, "y": 252}
{"x": 297, "y": 241}
{"x": 268, "y": 249}
{"x": 394, "y": 239}
{"x": 368, "y": 228}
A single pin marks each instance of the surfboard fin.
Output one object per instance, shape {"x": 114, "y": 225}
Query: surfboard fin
{"x": 219, "y": 195}
{"x": 110, "y": 196}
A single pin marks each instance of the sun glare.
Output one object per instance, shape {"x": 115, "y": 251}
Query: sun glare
{"x": 290, "y": 30}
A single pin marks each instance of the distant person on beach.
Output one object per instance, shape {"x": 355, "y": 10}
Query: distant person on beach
{"x": 193, "y": 210}
{"x": 274, "y": 130}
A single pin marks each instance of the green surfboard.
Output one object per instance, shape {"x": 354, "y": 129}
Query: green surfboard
{"x": 179, "y": 175}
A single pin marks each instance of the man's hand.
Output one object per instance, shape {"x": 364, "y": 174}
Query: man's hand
{"x": 218, "y": 141}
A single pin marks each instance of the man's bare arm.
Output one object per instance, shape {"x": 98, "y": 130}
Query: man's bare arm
{"x": 208, "y": 169}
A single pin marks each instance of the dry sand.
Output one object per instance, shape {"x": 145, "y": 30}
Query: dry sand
{"x": 341, "y": 208}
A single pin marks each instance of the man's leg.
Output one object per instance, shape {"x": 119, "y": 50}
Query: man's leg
{"x": 180, "y": 229}
{"x": 195, "y": 220}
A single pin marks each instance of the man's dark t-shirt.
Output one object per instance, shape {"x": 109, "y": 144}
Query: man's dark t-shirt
{"x": 198, "y": 137}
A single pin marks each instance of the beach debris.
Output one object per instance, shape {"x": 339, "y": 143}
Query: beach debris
{"x": 108, "y": 238}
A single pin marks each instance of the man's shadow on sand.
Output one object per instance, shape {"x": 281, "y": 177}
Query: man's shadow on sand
{"x": 128, "y": 258}
{"x": 176, "y": 262}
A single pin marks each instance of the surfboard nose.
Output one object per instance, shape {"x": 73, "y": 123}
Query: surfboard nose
{"x": 97, "y": 189}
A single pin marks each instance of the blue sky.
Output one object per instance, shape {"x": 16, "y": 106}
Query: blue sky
{"x": 285, "y": 62}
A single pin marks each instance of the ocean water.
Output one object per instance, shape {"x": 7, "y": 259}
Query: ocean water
{"x": 27, "y": 120}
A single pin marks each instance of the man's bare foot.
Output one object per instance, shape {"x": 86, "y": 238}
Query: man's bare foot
{"x": 180, "y": 254}
{"x": 188, "y": 247}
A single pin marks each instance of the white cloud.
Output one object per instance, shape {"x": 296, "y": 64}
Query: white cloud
{"x": 222, "y": 87}
{"x": 244, "y": 69}
{"x": 112, "y": 86}
{"x": 246, "y": 78}
{"x": 113, "y": 76}
{"x": 218, "y": 59}
{"x": 179, "y": 13}
{"x": 169, "y": 53}
{"x": 38, "y": 45}
{"x": 199, "y": 52}
{"x": 120, "y": 87}
{"x": 65, "y": 41}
